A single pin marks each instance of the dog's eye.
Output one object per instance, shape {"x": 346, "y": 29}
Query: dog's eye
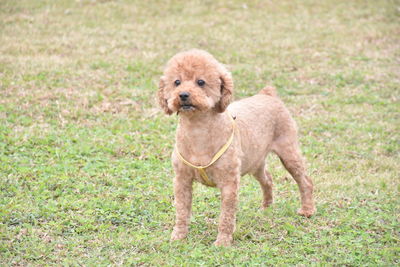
{"x": 201, "y": 82}
{"x": 177, "y": 82}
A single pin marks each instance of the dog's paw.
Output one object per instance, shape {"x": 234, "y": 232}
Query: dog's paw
{"x": 178, "y": 234}
{"x": 306, "y": 212}
{"x": 223, "y": 241}
{"x": 266, "y": 204}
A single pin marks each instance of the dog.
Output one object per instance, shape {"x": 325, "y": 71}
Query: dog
{"x": 218, "y": 142}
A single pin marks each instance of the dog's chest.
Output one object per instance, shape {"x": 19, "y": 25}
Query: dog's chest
{"x": 204, "y": 176}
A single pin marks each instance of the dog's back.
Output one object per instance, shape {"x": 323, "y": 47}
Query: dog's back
{"x": 261, "y": 119}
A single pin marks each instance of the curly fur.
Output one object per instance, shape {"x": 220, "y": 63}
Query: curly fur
{"x": 263, "y": 125}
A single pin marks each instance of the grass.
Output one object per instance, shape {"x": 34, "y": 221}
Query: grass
{"x": 85, "y": 175}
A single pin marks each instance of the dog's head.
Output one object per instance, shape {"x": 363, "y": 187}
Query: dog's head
{"x": 194, "y": 81}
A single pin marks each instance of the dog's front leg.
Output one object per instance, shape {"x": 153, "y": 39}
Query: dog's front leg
{"x": 227, "y": 219}
{"x": 183, "y": 206}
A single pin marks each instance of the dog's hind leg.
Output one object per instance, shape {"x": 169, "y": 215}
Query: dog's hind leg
{"x": 290, "y": 155}
{"x": 265, "y": 180}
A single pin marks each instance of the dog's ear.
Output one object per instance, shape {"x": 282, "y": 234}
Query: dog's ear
{"x": 226, "y": 91}
{"x": 161, "y": 98}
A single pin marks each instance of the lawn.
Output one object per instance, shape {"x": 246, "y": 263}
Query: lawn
{"x": 85, "y": 172}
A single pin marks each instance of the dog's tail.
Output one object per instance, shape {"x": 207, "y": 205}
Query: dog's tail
{"x": 269, "y": 90}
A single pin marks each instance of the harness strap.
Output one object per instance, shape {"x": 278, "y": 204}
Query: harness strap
{"x": 200, "y": 168}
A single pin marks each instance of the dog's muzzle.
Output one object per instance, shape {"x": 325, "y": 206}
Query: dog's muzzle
{"x": 185, "y": 102}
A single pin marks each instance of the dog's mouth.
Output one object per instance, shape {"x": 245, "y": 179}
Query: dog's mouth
{"x": 187, "y": 107}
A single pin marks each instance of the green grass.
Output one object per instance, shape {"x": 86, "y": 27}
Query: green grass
{"x": 85, "y": 173}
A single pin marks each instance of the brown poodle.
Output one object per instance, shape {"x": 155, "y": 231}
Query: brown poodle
{"x": 225, "y": 142}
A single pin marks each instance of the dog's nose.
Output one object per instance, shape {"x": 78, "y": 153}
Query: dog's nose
{"x": 184, "y": 95}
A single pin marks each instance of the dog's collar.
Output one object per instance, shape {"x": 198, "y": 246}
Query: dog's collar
{"x": 201, "y": 169}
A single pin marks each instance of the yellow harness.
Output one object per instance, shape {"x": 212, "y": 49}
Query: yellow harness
{"x": 201, "y": 169}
